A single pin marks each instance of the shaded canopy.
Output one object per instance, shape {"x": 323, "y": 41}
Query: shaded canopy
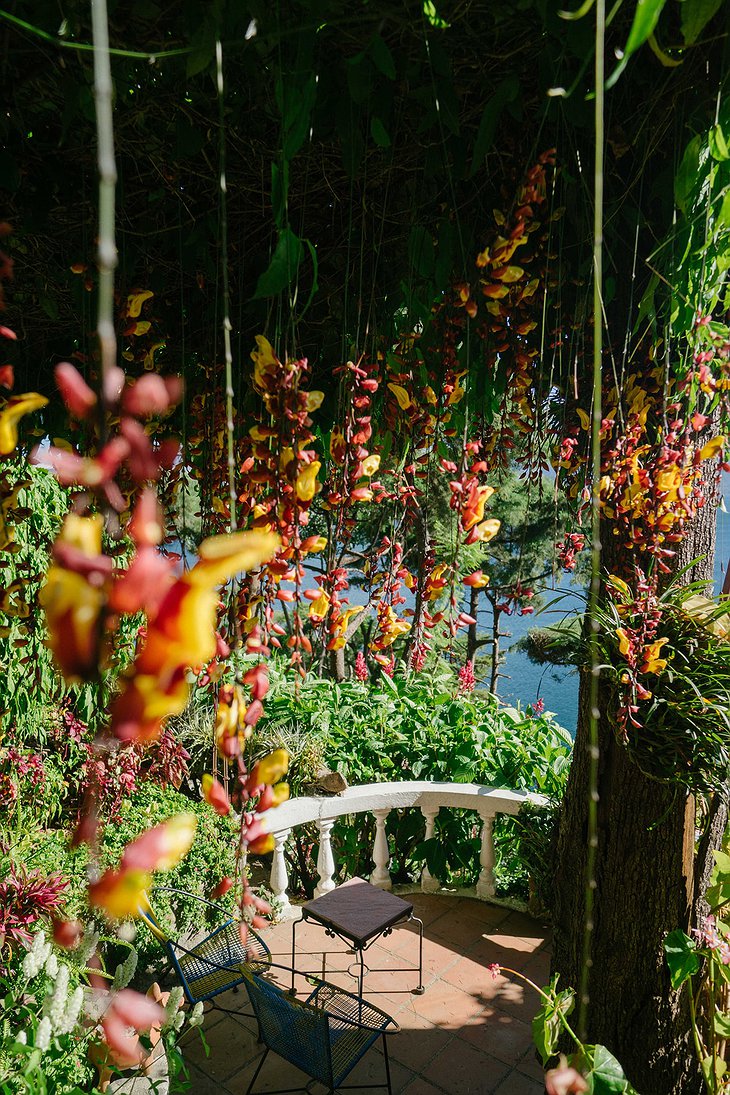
{"x": 366, "y": 148}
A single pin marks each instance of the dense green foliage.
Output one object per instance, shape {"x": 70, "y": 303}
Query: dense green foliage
{"x": 420, "y": 727}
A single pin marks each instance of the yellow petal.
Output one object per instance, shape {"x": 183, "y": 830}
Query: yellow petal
{"x": 83, "y": 533}
{"x": 319, "y": 606}
{"x": 371, "y": 464}
{"x": 712, "y": 448}
{"x": 314, "y": 400}
{"x": 404, "y": 400}
{"x": 135, "y": 302}
{"x": 120, "y": 893}
{"x": 12, "y": 412}
{"x": 223, "y": 556}
{"x": 624, "y": 643}
{"x": 487, "y": 530}
{"x": 584, "y": 418}
{"x": 306, "y": 483}
{"x": 510, "y": 274}
{"x": 264, "y": 359}
{"x": 273, "y": 767}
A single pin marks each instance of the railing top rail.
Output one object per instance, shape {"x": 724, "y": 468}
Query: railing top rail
{"x": 488, "y": 801}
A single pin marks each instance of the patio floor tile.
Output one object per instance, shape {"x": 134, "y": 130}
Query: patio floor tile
{"x": 470, "y": 1072}
{"x": 469, "y": 1034}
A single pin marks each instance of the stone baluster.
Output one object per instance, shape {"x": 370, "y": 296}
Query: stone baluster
{"x": 381, "y": 853}
{"x": 279, "y": 873}
{"x": 429, "y": 884}
{"x": 485, "y": 883}
{"x": 325, "y": 859}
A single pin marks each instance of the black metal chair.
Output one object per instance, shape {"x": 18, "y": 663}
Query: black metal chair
{"x": 215, "y": 964}
{"x": 325, "y": 1035}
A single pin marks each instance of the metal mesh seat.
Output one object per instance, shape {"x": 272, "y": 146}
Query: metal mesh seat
{"x": 215, "y": 963}
{"x": 324, "y": 1036}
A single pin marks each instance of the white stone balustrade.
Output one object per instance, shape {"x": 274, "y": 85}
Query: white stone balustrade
{"x": 379, "y": 799}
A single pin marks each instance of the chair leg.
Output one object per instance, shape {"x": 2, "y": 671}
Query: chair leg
{"x": 387, "y": 1063}
{"x": 255, "y": 1075}
{"x": 420, "y": 990}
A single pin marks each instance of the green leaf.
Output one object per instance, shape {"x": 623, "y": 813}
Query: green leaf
{"x": 646, "y": 18}
{"x": 547, "y": 1026}
{"x": 681, "y": 954}
{"x": 429, "y": 10}
{"x": 200, "y": 58}
{"x": 315, "y": 278}
{"x": 686, "y": 178}
{"x": 379, "y": 133}
{"x": 506, "y": 92}
{"x": 283, "y": 266}
{"x": 695, "y": 16}
{"x": 382, "y": 57}
{"x": 606, "y": 1077}
{"x": 718, "y": 144}
{"x": 420, "y": 251}
{"x": 359, "y": 78}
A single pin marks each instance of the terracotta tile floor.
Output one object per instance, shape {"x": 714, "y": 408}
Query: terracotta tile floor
{"x": 467, "y": 1035}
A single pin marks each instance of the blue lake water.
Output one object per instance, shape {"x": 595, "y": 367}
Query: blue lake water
{"x": 558, "y": 688}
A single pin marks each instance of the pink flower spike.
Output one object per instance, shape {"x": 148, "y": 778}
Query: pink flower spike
{"x": 7, "y": 376}
{"x": 147, "y": 396}
{"x": 136, "y": 1010}
{"x": 146, "y": 526}
{"x": 143, "y": 585}
{"x": 80, "y": 400}
{"x": 125, "y": 1048}
{"x": 495, "y": 970}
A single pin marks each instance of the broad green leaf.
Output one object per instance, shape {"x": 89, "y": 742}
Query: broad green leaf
{"x": 379, "y": 133}
{"x": 200, "y": 58}
{"x": 382, "y": 57}
{"x": 646, "y": 18}
{"x": 429, "y": 10}
{"x": 722, "y": 1024}
{"x": 686, "y": 178}
{"x": 315, "y": 278}
{"x": 359, "y": 78}
{"x": 681, "y": 955}
{"x": 546, "y": 1026}
{"x": 718, "y": 144}
{"x": 506, "y": 92}
{"x": 283, "y": 266}
{"x": 695, "y": 15}
{"x": 421, "y": 251}
{"x": 606, "y": 1077}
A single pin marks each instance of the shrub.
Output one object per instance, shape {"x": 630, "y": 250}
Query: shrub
{"x": 414, "y": 727}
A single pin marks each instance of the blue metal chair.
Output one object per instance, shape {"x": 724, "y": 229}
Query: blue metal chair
{"x": 325, "y": 1035}
{"x": 215, "y": 964}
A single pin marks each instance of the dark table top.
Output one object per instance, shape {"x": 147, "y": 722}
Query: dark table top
{"x": 357, "y": 910}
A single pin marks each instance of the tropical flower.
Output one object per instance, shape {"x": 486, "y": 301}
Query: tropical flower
{"x": 11, "y": 414}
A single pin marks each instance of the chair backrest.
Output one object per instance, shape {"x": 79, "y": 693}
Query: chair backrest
{"x": 297, "y": 1032}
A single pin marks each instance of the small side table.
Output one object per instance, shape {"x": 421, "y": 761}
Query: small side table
{"x": 360, "y": 914}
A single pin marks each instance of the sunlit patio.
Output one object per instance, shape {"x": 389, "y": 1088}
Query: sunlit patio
{"x": 468, "y": 1033}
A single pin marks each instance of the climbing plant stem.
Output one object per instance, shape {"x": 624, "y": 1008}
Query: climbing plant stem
{"x": 593, "y": 748}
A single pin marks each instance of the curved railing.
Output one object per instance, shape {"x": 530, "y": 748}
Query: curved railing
{"x": 379, "y": 799}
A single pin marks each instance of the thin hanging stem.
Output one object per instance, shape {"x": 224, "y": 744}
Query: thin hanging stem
{"x": 593, "y": 747}
{"x": 226, "y": 291}
{"x": 107, "y": 247}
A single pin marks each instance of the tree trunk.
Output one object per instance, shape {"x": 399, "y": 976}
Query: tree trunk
{"x": 644, "y": 888}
